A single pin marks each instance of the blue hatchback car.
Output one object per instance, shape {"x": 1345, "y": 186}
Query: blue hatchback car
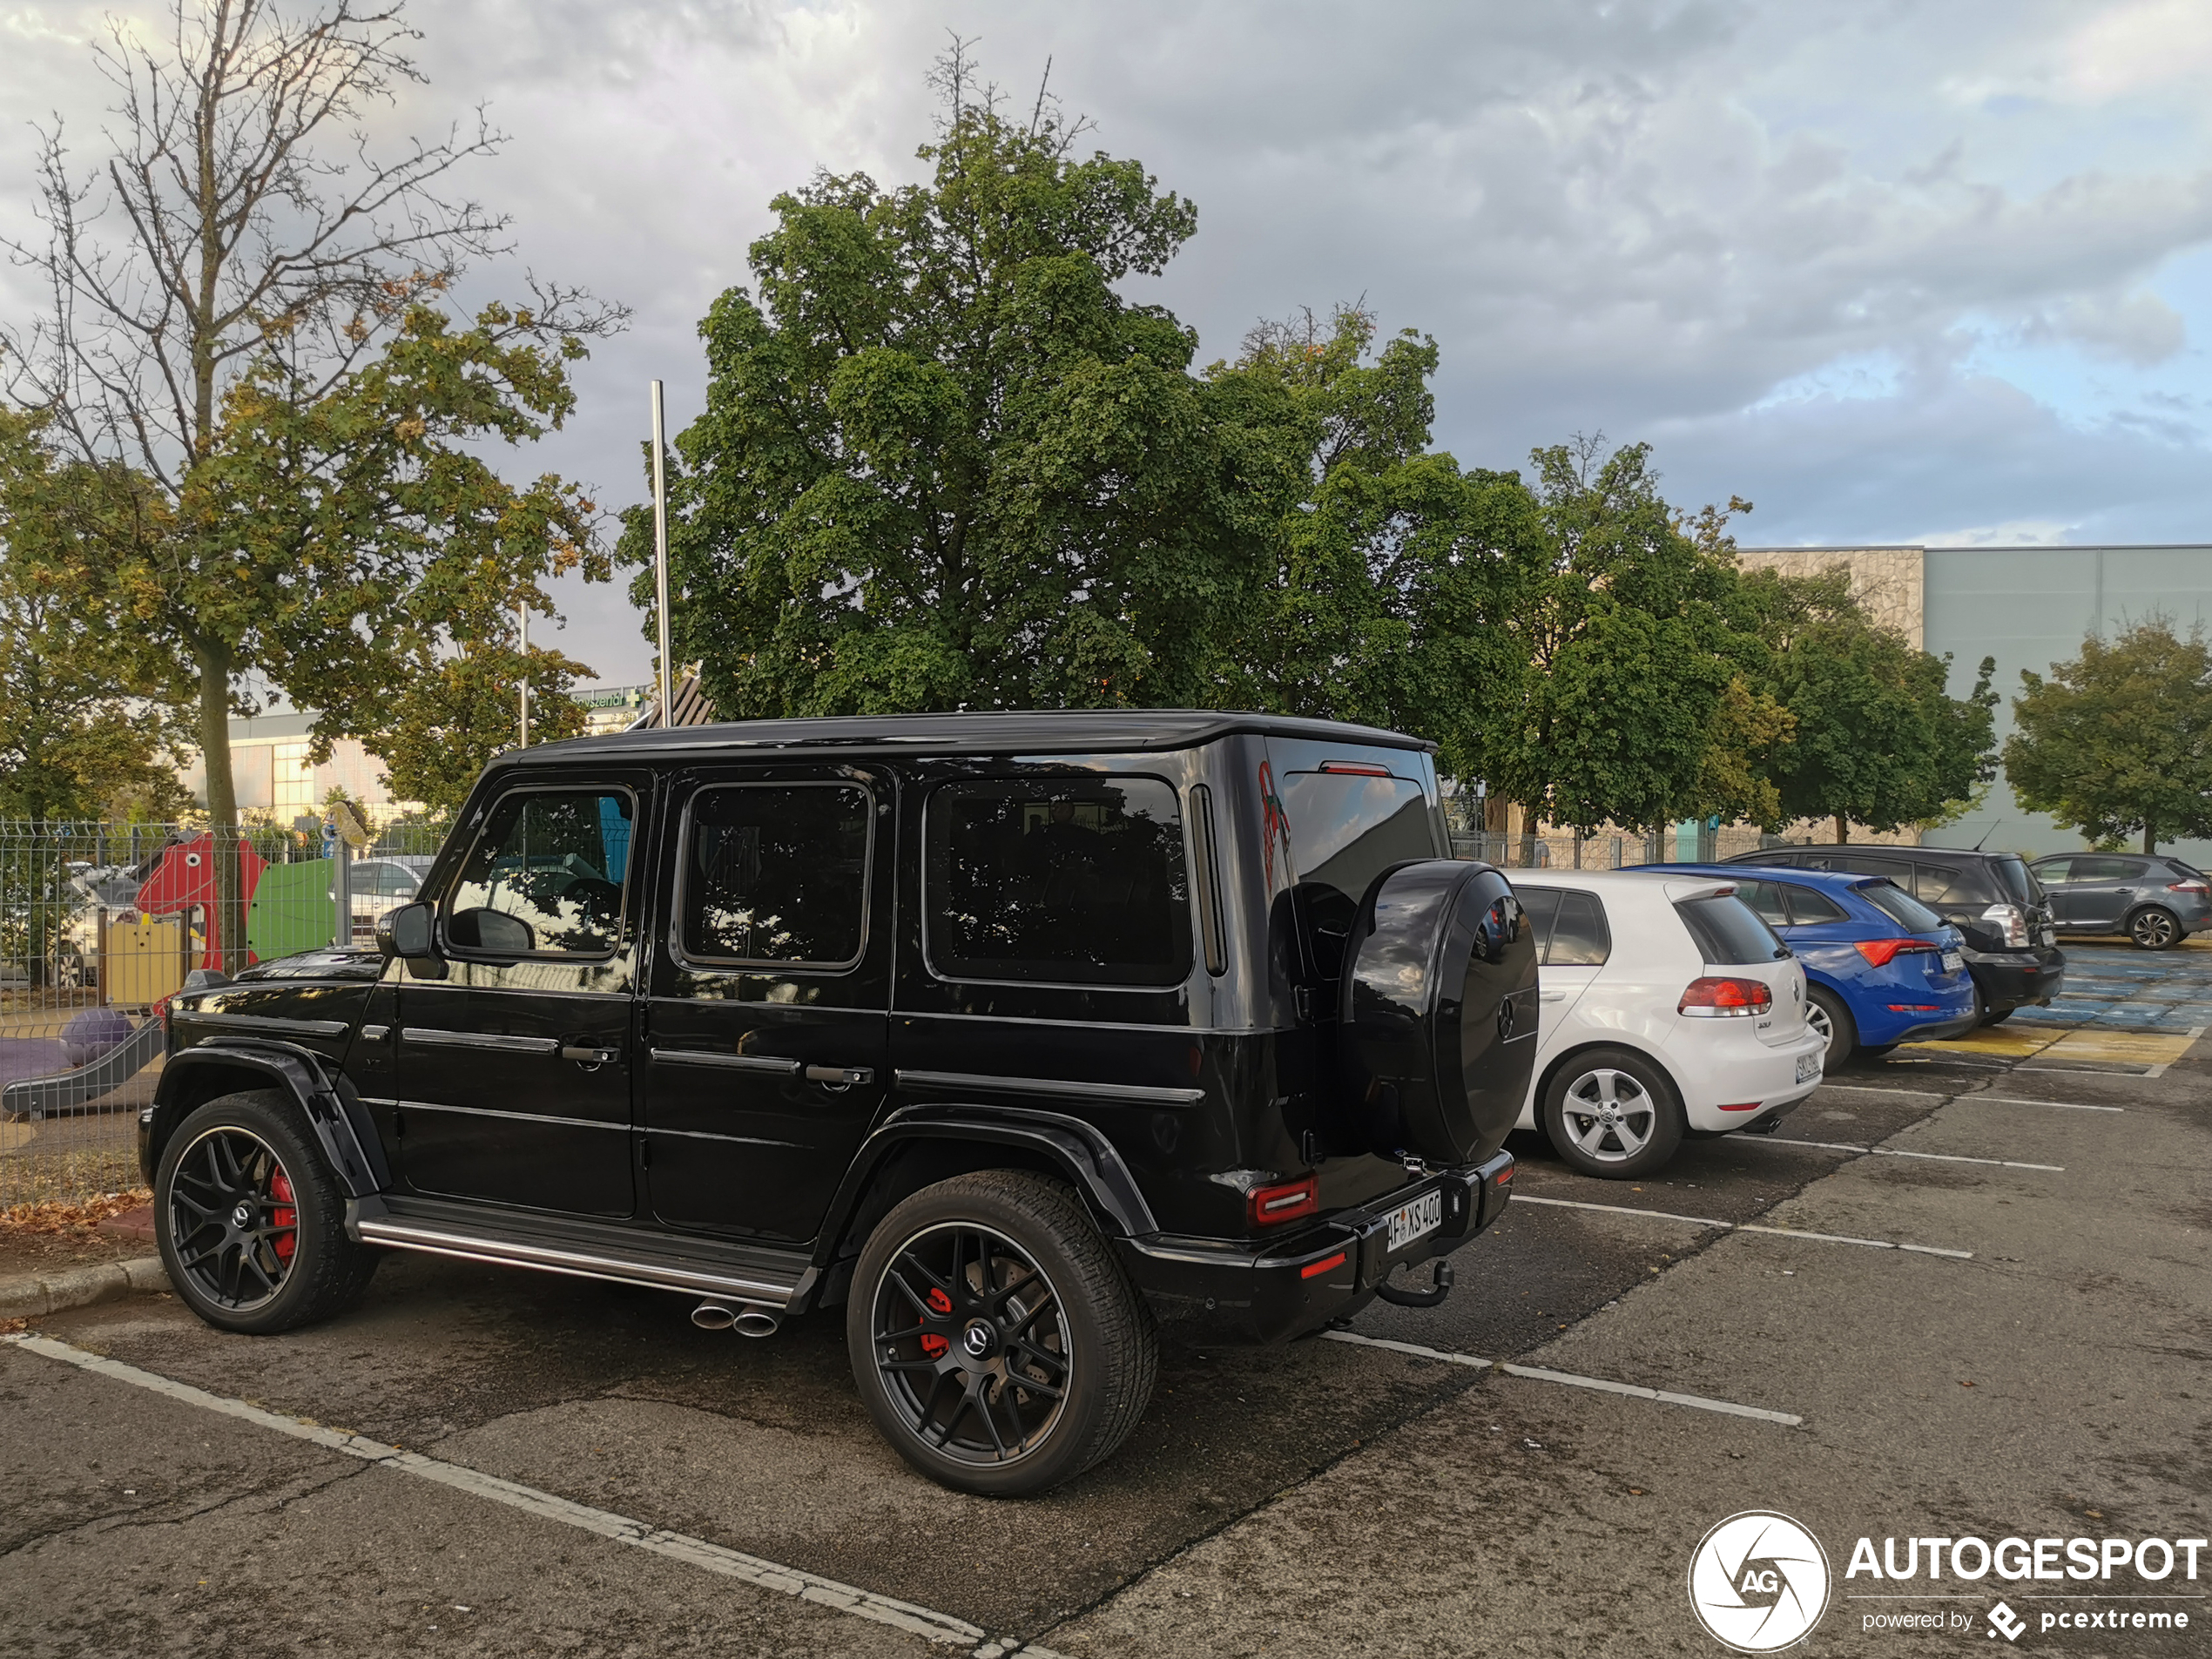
{"x": 1880, "y": 967}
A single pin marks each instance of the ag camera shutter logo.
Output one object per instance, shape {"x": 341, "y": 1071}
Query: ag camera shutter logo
{"x": 1758, "y": 1582}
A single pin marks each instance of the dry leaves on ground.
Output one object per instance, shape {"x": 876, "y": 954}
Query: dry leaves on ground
{"x": 55, "y": 1218}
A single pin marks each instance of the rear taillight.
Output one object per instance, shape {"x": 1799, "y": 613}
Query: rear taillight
{"x": 1879, "y": 953}
{"x": 2198, "y": 887}
{"x": 1720, "y": 999}
{"x": 2012, "y": 919}
{"x": 1267, "y": 1205}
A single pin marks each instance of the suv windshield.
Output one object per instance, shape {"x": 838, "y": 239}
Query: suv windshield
{"x": 1901, "y": 907}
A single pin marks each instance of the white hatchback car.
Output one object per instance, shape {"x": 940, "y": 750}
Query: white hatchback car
{"x": 1668, "y": 1010}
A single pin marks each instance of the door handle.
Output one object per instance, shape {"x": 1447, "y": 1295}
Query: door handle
{"x": 840, "y": 1077}
{"x": 1555, "y": 996}
{"x": 584, "y": 1054}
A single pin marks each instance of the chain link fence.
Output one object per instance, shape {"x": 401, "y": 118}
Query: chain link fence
{"x": 99, "y": 923}
{"x": 1690, "y": 844}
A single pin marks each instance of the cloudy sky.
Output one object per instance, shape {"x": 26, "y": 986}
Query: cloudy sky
{"x": 1896, "y": 271}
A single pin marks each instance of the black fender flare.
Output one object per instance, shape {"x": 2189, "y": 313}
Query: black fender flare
{"x": 341, "y": 1123}
{"x": 1080, "y": 1149}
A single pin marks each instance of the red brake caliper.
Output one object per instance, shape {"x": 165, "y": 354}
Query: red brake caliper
{"x": 933, "y": 1344}
{"x": 287, "y": 1218}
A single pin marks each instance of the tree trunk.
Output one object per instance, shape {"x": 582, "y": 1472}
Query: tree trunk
{"x": 226, "y": 927}
{"x": 1843, "y": 830}
{"x": 2150, "y": 840}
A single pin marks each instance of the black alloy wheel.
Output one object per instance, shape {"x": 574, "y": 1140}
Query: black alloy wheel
{"x": 251, "y": 1222}
{"x": 995, "y": 1338}
{"x": 233, "y": 1218}
{"x": 2153, "y": 928}
{"x": 972, "y": 1344}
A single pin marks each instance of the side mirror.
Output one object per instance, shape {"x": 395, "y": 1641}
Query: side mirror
{"x": 406, "y": 932}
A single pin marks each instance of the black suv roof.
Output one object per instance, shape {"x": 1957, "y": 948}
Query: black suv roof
{"x": 989, "y": 731}
{"x": 1877, "y": 849}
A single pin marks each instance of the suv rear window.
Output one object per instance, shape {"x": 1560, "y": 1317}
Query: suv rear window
{"x": 2020, "y": 886}
{"x": 1952, "y": 884}
{"x": 1729, "y": 932}
{"x": 1074, "y": 881}
{"x": 1901, "y": 907}
{"x": 1346, "y": 828}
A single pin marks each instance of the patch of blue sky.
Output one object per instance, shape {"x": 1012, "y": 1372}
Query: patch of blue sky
{"x": 1856, "y": 375}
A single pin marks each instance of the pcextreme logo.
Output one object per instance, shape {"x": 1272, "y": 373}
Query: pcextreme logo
{"x": 1758, "y": 1582}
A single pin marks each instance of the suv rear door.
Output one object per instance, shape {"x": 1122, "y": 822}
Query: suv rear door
{"x": 767, "y": 1009}
{"x": 2101, "y": 890}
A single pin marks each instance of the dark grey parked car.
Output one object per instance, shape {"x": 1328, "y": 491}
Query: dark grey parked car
{"x": 2157, "y": 901}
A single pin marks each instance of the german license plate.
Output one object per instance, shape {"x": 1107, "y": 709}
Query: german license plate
{"x": 1952, "y": 961}
{"x": 1808, "y": 1066}
{"x": 1415, "y": 1220}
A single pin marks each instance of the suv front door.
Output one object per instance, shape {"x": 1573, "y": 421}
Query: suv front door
{"x": 2100, "y": 890}
{"x": 768, "y": 1009}
{"x": 514, "y": 1070}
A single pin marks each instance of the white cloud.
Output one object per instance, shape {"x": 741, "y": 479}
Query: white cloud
{"x": 1770, "y": 237}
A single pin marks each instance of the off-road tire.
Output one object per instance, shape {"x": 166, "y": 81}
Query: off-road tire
{"x": 1843, "y": 1030}
{"x": 1660, "y": 1143}
{"x": 1113, "y": 1343}
{"x": 327, "y": 1272}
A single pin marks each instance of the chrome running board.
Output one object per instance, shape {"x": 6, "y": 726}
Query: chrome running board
{"x": 397, "y": 1233}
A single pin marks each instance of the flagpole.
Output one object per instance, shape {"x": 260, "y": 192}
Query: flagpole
{"x": 660, "y": 566}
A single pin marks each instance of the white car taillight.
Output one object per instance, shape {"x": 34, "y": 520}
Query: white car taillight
{"x": 1720, "y": 999}
{"x": 2012, "y": 919}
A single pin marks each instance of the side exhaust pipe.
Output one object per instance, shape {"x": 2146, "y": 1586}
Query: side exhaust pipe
{"x": 747, "y": 1318}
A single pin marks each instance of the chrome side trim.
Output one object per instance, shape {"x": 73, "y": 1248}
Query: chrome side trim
{"x": 1132, "y": 1092}
{"x": 727, "y": 1061}
{"x": 708, "y": 1134}
{"x": 489, "y": 1111}
{"x": 432, "y": 1038}
{"x": 436, "y": 1241}
{"x": 270, "y": 1023}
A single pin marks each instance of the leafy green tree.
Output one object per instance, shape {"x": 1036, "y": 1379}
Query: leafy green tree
{"x": 1634, "y": 639}
{"x": 454, "y": 714}
{"x": 243, "y": 343}
{"x": 1878, "y": 739}
{"x": 72, "y": 744}
{"x": 2119, "y": 740}
{"x": 946, "y": 464}
{"x": 1396, "y": 573}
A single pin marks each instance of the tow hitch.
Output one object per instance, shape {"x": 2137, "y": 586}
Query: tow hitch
{"x": 1427, "y": 1298}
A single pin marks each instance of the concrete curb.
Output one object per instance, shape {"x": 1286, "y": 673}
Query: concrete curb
{"x": 79, "y": 1286}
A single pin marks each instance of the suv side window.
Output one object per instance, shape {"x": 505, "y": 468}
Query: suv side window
{"x": 2107, "y": 869}
{"x": 547, "y": 875}
{"x": 1056, "y": 881}
{"x": 2052, "y": 873}
{"x": 1766, "y": 899}
{"x": 775, "y": 873}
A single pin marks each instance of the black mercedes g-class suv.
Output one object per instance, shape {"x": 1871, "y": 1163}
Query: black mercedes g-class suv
{"x": 1007, "y": 1032}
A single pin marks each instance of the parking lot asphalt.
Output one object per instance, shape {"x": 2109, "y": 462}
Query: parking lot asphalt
{"x": 1963, "y": 1290}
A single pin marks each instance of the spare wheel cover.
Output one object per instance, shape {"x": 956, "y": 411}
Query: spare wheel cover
{"x": 1438, "y": 1010}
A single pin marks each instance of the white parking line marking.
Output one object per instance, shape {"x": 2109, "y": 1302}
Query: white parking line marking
{"x": 1894, "y": 1152}
{"x": 1748, "y": 1227}
{"x": 713, "y": 1558}
{"x": 1537, "y": 1373}
{"x": 1868, "y": 1088}
{"x": 2063, "y": 1105}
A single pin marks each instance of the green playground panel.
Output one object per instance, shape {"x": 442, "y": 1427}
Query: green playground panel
{"x": 292, "y": 909}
